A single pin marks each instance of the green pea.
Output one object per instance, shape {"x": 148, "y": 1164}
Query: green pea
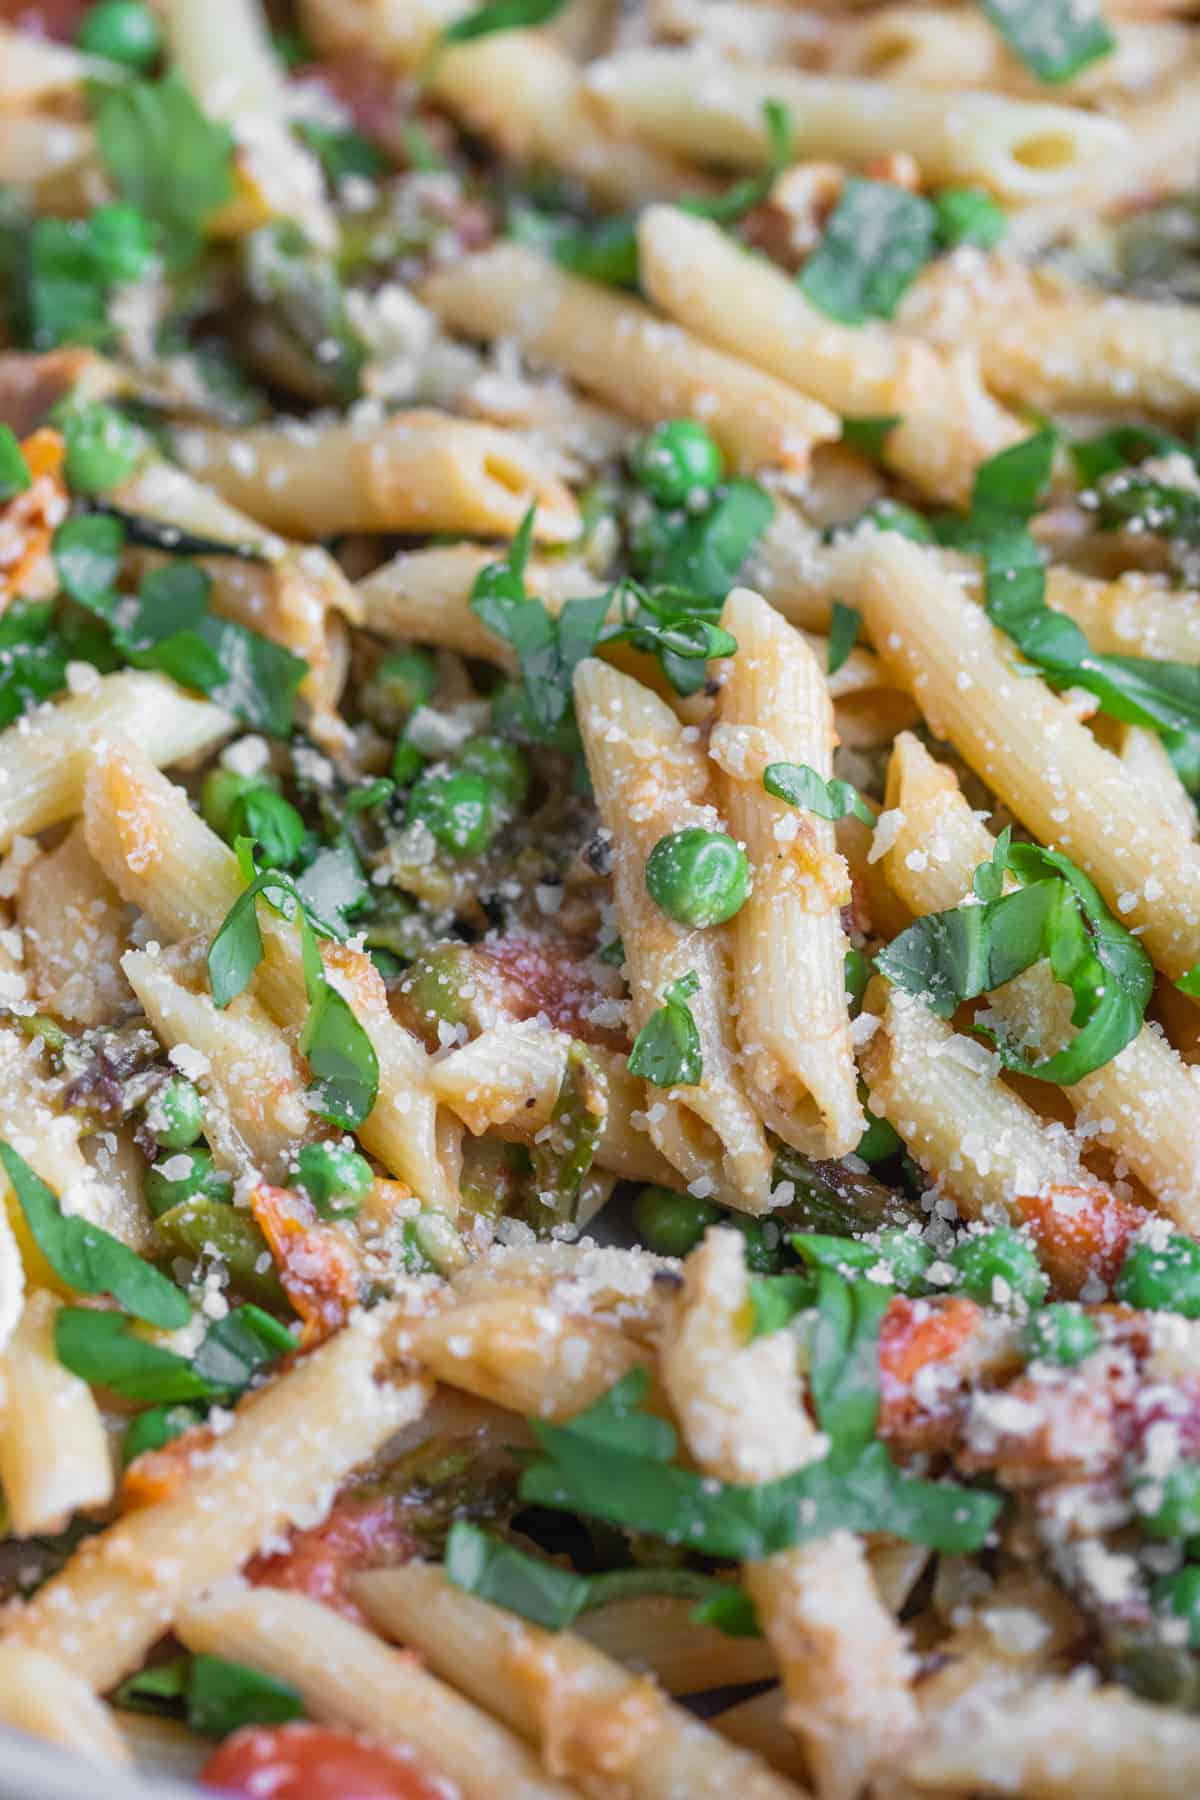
{"x": 698, "y": 877}
{"x": 1060, "y": 1334}
{"x": 458, "y": 807}
{"x": 879, "y": 1141}
{"x": 407, "y": 679}
{"x": 281, "y": 833}
{"x": 102, "y": 448}
{"x": 156, "y": 1427}
{"x": 501, "y": 763}
{"x": 672, "y": 1224}
{"x": 175, "y": 1114}
{"x": 334, "y": 1178}
{"x": 1165, "y": 1279}
{"x": 407, "y": 763}
{"x": 122, "y": 31}
{"x": 202, "y": 1179}
{"x": 1173, "y": 1499}
{"x": 907, "y": 1256}
{"x": 999, "y": 1255}
{"x": 675, "y": 459}
{"x": 203, "y": 1227}
{"x": 764, "y": 1247}
{"x": 1179, "y": 1596}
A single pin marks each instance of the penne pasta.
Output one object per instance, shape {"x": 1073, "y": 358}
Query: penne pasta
{"x": 54, "y": 1454}
{"x": 39, "y": 1695}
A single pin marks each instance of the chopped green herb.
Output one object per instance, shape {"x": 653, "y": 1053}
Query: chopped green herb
{"x": 342, "y": 153}
{"x": 501, "y": 15}
{"x": 14, "y": 470}
{"x": 703, "y": 554}
{"x": 88, "y": 1259}
{"x": 666, "y": 1050}
{"x": 1053, "y": 38}
{"x": 801, "y": 786}
{"x": 166, "y": 158}
{"x": 101, "y": 1349}
{"x": 340, "y": 1055}
{"x": 968, "y": 215}
{"x": 775, "y": 1301}
{"x": 844, "y": 626}
{"x": 878, "y": 238}
{"x": 869, "y": 433}
{"x": 74, "y": 267}
{"x": 223, "y": 1696}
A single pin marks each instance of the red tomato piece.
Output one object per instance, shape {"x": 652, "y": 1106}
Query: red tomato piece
{"x": 358, "y": 1534}
{"x": 1080, "y": 1233}
{"x": 317, "y": 1762}
{"x": 915, "y": 1334}
{"x": 313, "y": 1267}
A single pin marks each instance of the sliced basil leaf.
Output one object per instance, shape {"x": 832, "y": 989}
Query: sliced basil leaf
{"x": 877, "y": 239}
{"x": 14, "y": 470}
{"x": 844, "y": 626}
{"x": 801, "y": 786}
{"x": 101, "y": 1349}
{"x": 775, "y": 1301}
{"x": 222, "y": 1697}
{"x": 166, "y": 158}
{"x": 340, "y": 1055}
{"x": 968, "y": 215}
{"x": 870, "y": 433}
{"x": 87, "y": 556}
{"x": 1053, "y": 38}
{"x": 706, "y": 554}
{"x": 1112, "y": 450}
{"x": 88, "y": 1259}
{"x": 667, "y": 1049}
{"x": 1011, "y": 482}
{"x": 501, "y": 15}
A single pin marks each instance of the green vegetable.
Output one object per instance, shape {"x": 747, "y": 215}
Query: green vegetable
{"x": 86, "y": 1258}
{"x": 238, "y": 1346}
{"x": 224, "y": 1696}
{"x": 157, "y": 1426}
{"x": 201, "y": 1227}
{"x": 844, "y": 626}
{"x": 902, "y": 1254}
{"x": 1168, "y": 1505}
{"x": 222, "y": 793}
{"x": 305, "y": 304}
{"x": 877, "y": 239}
{"x": 1060, "y": 1334}
{"x": 548, "y": 650}
{"x": 102, "y": 447}
{"x": 1178, "y": 1595}
{"x": 672, "y": 1224}
{"x": 666, "y": 1050}
{"x": 613, "y": 1463}
{"x": 274, "y": 823}
{"x": 499, "y": 763}
{"x": 1162, "y": 1279}
{"x": 101, "y": 1349}
{"x": 1053, "y": 38}
{"x": 672, "y": 626}
{"x": 458, "y": 807}
{"x": 122, "y": 31}
{"x": 801, "y": 786}
{"x": 501, "y": 15}
{"x": 14, "y": 470}
{"x": 858, "y": 974}
{"x": 844, "y": 1357}
{"x": 869, "y": 433}
{"x": 879, "y": 1141}
{"x": 333, "y": 887}
{"x": 483, "y": 1564}
{"x": 705, "y": 553}
{"x": 202, "y": 1181}
{"x": 675, "y": 460}
{"x": 893, "y": 515}
{"x": 407, "y": 763}
{"x": 997, "y": 1267}
{"x": 698, "y": 877}
{"x": 968, "y": 215}
{"x": 563, "y": 1152}
{"x": 762, "y": 1244}
{"x": 954, "y": 956}
{"x": 175, "y": 1114}
{"x": 335, "y": 1178}
{"x": 775, "y": 1301}
{"x": 344, "y": 154}
{"x": 166, "y": 158}
{"x": 407, "y": 678}
{"x": 74, "y": 267}
{"x": 1011, "y": 482}
{"x": 1114, "y": 449}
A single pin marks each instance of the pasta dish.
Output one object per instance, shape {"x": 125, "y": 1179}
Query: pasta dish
{"x": 600, "y": 898}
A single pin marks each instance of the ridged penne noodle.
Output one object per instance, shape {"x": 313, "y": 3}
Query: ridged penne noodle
{"x": 164, "y": 858}
{"x": 789, "y": 949}
{"x": 695, "y": 105}
{"x": 526, "y": 1354}
{"x": 1145, "y": 756}
{"x": 740, "y": 1405}
{"x": 55, "y": 1458}
{"x": 1144, "y": 1104}
{"x": 1030, "y": 748}
{"x": 425, "y": 595}
{"x": 253, "y": 1084}
{"x": 74, "y": 928}
{"x": 656, "y": 1633}
{"x": 1046, "y": 342}
{"x": 348, "y": 1677}
{"x": 12, "y": 1281}
{"x": 509, "y": 1076}
{"x": 695, "y": 273}
{"x": 413, "y": 471}
{"x": 1042, "y": 1741}
{"x": 617, "y": 348}
{"x": 625, "y": 1146}
{"x": 650, "y": 779}
{"x": 943, "y": 1094}
{"x": 45, "y": 756}
{"x": 278, "y": 1462}
{"x": 42, "y": 1696}
{"x": 547, "y": 1685}
{"x": 759, "y": 1725}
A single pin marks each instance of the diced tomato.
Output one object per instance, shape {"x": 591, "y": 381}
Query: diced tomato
{"x": 159, "y": 1474}
{"x": 358, "y": 1534}
{"x": 313, "y": 1266}
{"x": 913, "y": 1335}
{"x": 317, "y": 1762}
{"x": 1081, "y": 1233}
{"x": 539, "y": 979}
{"x": 29, "y": 520}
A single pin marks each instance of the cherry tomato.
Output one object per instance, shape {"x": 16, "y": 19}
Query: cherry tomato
{"x": 316, "y": 1762}
{"x": 358, "y": 1534}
